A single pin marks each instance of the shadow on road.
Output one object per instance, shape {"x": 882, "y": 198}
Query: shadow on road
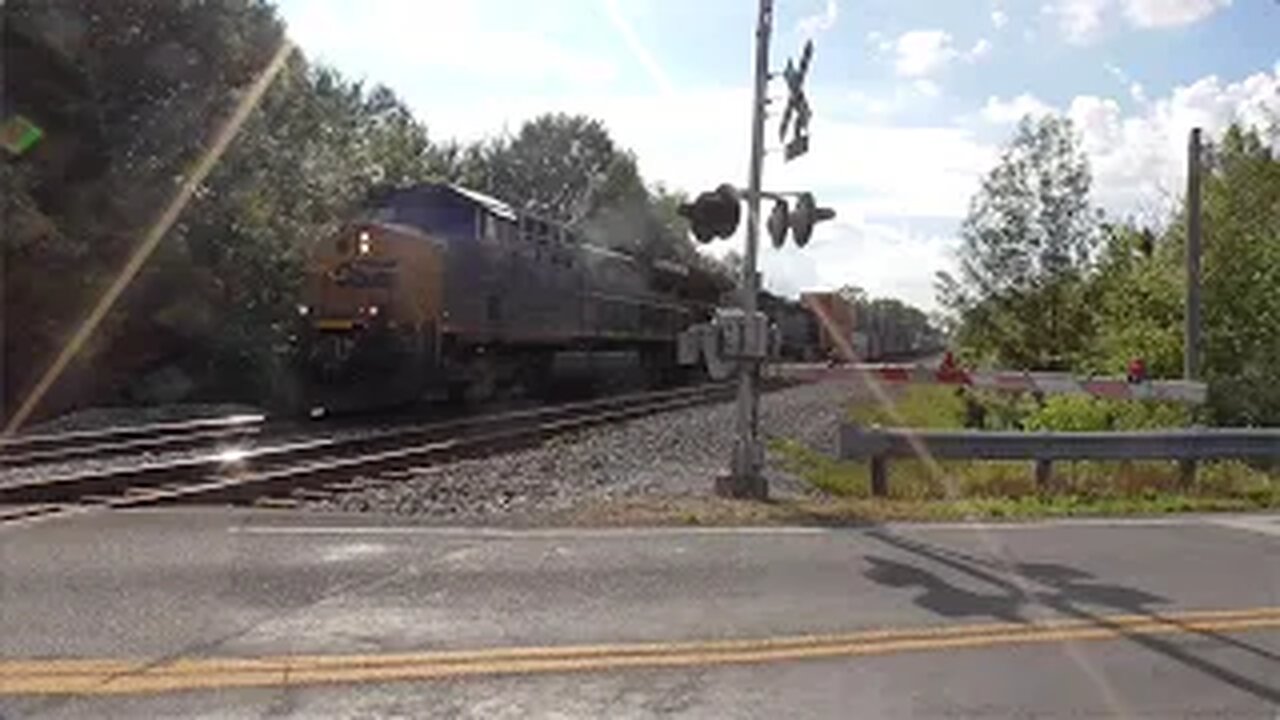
{"x": 1017, "y": 588}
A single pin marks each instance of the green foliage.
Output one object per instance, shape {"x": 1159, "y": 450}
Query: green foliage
{"x": 1025, "y": 244}
{"x": 1242, "y": 280}
{"x": 1139, "y": 307}
{"x": 214, "y": 302}
{"x": 1084, "y": 413}
{"x": 568, "y": 168}
{"x": 557, "y": 164}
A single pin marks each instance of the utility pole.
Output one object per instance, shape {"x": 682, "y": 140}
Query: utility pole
{"x": 1191, "y": 343}
{"x": 748, "y": 456}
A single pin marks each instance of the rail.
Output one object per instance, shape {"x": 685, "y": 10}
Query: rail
{"x": 251, "y": 474}
{"x": 22, "y": 450}
{"x": 1187, "y": 446}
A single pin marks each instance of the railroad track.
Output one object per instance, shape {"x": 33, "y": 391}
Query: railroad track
{"x": 27, "y": 450}
{"x": 244, "y": 475}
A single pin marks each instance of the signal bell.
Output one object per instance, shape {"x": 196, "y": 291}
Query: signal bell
{"x": 779, "y": 220}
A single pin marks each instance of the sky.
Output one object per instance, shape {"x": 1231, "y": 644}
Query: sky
{"x": 912, "y": 100}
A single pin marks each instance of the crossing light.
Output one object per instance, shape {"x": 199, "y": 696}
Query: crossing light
{"x": 806, "y": 215}
{"x": 713, "y": 214}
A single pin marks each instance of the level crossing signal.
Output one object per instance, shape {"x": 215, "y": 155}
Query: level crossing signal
{"x": 799, "y": 221}
{"x": 716, "y": 214}
{"x": 713, "y": 214}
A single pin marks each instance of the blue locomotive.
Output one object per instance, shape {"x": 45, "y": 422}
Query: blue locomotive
{"x": 436, "y": 289}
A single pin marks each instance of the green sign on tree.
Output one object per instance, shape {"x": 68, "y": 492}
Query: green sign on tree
{"x": 18, "y": 134}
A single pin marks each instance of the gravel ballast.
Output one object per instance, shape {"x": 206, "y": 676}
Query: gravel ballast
{"x": 677, "y": 453}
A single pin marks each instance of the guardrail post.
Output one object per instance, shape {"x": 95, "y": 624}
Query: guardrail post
{"x": 1187, "y": 473}
{"x": 879, "y": 475}
{"x": 1044, "y": 473}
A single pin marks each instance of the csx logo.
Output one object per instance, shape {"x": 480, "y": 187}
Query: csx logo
{"x": 364, "y": 274}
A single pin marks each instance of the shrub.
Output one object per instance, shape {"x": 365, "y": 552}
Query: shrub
{"x": 1084, "y": 413}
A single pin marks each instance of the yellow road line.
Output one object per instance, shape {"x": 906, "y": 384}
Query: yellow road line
{"x": 106, "y": 676}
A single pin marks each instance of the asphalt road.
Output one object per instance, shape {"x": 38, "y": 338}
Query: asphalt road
{"x": 243, "y": 614}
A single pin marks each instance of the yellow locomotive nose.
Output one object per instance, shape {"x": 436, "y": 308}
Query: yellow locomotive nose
{"x": 369, "y": 309}
{"x": 353, "y": 280}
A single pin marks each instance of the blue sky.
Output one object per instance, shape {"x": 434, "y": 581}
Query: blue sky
{"x": 911, "y": 99}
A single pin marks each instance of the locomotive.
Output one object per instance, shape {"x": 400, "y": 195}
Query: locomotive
{"x": 438, "y": 290}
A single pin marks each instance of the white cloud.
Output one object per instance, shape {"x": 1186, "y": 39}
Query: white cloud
{"x": 910, "y": 95}
{"x": 923, "y": 52}
{"x": 819, "y": 23}
{"x": 999, "y": 19}
{"x": 1116, "y": 72}
{"x": 881, "y": 43}
{"x": 1169, "y": 13}
{"x": 1136, "y": 91}
{"x": 1082, "y": 20}
{"x": 926, "y": 88}
{"x": 1006, "y": 112}
{"x": 920, "y": 53}
{"x": 1139, "y": 161}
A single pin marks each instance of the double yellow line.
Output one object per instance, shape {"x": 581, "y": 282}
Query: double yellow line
{"x": 109, "y": 677}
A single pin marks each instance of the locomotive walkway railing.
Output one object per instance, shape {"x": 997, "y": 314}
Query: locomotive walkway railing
{"x": 1187, "y": 446}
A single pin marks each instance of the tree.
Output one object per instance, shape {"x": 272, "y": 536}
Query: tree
{"x": 1241, "y": 269}
{"x": 1026, "y": 244}
{"x": 215, "y": 300}
{"x": 156, "y": 79}
{"x": 1138, "y": 302}
{"x": 551, "y": 166}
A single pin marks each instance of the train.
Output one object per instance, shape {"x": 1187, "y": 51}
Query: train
{"x": 437, "y": 290}
{"x": 825, "y": 326}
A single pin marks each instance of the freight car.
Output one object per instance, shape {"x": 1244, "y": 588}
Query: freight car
{"x": 440, "y": 290}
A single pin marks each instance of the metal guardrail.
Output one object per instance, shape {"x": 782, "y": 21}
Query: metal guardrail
{"x": 1186, "y": 446}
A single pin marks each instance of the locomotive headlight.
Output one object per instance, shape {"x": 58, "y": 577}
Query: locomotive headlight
{"x": 372, "y": 310}
{"x": 303, "y": 311}
{"x": 364, "y": 242}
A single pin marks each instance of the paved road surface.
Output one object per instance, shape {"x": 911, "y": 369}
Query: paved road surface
{"x": 242, "y": 614}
